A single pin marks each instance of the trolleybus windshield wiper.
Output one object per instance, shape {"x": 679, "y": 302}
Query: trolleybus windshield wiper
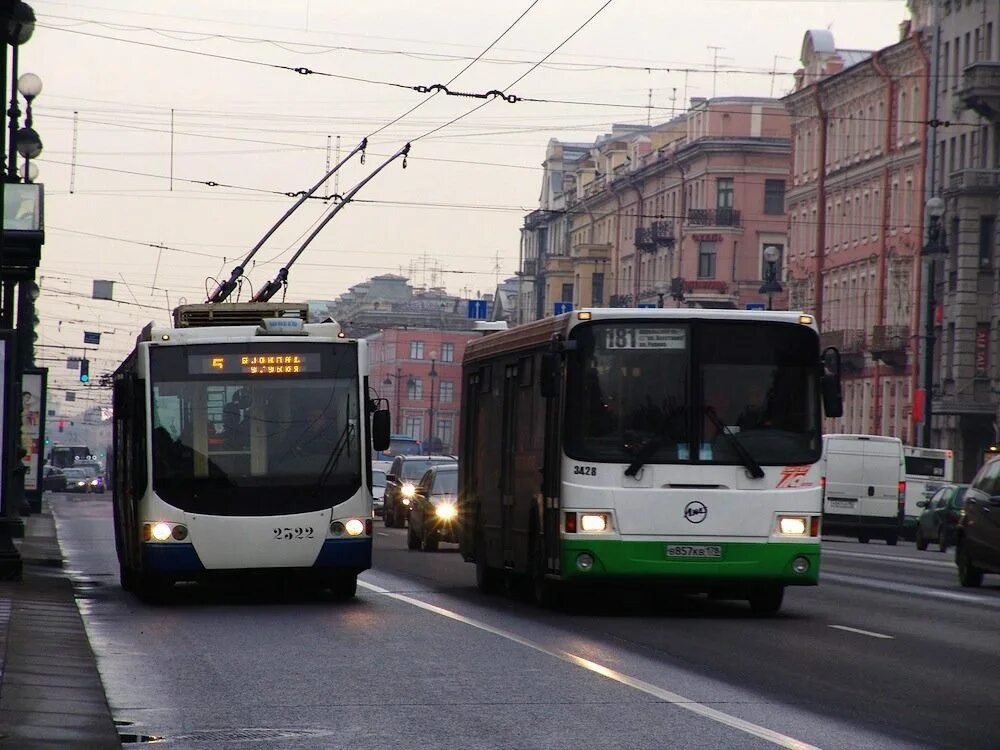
{"x": 342, "y": 442}
{"x": 753, "y": 468}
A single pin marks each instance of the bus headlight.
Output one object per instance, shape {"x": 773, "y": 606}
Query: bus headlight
{"x": 793, "y": 525}
{"x": 446, "y": 511}
{"x": 594, "y": 522}
{"x": 355, "y": 527}
{"x": 161, "y": 531}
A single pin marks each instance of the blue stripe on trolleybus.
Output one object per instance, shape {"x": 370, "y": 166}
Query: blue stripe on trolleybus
{"x": 345, "y": 553}
{"x": 170, "y": 557}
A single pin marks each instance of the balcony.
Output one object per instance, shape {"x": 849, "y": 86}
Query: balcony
{"x": 663, "y": 233}
{"x": 890, "y": 344}
{"x": 850, "y": 342}
{"x": 713, "y": 217}
{"x": 644, "y": 239}
{"x": 529, "y": 267}
{"x": 974, "y": 181}
{"x": 979, "y": 90}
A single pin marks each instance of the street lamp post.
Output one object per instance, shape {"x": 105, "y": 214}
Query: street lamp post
{"x": 389, "y": 381}
{"x": 432, "y": 375}
{"x": 936, "y": 246}
{"x": 771, "y": 285}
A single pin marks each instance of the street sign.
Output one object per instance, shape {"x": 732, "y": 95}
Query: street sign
{"x": 478, "y": 309}
{"x": 562, "y": 307}
{"x": 647, "y": 305}
{"x": 755, "y": 306}
{"x": 91, "y": 337}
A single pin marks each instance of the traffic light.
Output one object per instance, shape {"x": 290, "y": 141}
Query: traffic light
{"x": 84, "y": 370}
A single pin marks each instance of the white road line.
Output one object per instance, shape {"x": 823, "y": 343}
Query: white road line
{"x": 859, "y": 631}
{"x": 890, "y": 558}
{"x": 907, "y": 588}
{"x": 662, "y": 694}
{"x": 381, "y": 533}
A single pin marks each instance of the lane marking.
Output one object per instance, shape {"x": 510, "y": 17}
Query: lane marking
{"x": 662, "y": 694}
{"x": 381, "y": 533}
{"x": 907, "y": 588}
{"x": 859, "y": 631}
{"x": 888, "y": 558}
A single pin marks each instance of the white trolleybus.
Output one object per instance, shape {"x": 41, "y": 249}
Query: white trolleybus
{"x": 242, "y": 445}
{"x": 675, "y": 447}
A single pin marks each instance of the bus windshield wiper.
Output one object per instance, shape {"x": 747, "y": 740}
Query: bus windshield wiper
{"x": 752, "y": 467}
{"x": 646, "y": 450}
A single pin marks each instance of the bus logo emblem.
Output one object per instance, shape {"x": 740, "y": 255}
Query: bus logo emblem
{"x": 695, "y": 511}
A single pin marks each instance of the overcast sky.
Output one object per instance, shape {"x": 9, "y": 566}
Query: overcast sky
{"x": 206, "y": 92}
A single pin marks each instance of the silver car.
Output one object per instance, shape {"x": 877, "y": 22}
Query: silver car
{"x": 378, "y": 491}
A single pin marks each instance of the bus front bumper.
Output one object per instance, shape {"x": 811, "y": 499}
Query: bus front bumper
{"x": 708, "y": 563}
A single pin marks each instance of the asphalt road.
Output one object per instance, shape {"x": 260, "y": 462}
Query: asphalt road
{"x": 887, "y": 652}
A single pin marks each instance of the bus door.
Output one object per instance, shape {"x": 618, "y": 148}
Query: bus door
{"x": 508, "y": 453}
{"x": 552, "y": 480}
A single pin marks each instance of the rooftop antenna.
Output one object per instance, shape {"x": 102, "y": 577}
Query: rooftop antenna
{"x": 281, "y": 279}
{"x": 226, "y": 288}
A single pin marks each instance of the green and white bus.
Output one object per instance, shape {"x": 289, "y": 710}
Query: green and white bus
{"x": 666, "y": 446}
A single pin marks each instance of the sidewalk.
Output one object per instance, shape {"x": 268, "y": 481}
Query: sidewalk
{"x": 51, "y": 693}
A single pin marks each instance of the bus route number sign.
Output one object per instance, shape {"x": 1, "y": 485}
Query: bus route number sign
{"x": 259, "y": 364}
{"x": 644, "y": 337}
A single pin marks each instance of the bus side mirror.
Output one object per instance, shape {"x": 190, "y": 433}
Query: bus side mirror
{"x": 833, "y": 400}
{"x": 381, "y": 428}
{"x": 551, "y": 374}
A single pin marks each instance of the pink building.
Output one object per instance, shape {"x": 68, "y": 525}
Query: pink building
{"x": 856, "y": 216}
{"x": 419, "y": 372}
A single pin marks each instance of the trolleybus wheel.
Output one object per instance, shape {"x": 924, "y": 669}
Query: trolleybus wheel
{"x": 766, "y": 600}
{"x": 412, "y": 540}
{"x": 487, "y": 579}
{"x": 344, "y": 587}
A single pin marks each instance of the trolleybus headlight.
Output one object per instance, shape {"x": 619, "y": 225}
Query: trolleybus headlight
{"x": 585, "y": 561}
{"x": 800, "y": 565}
{"x": 355, "y": 527}
{"x": 336, "y": 528}
{"x": 180, "y": 532}
{"x": 446, "y": 511}
{"x": 161, "y": 531}
{"x": 793, "y": 525}
{"x": 594, "y": 522}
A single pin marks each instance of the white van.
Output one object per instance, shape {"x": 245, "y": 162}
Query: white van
{"x": 865, "y": 489}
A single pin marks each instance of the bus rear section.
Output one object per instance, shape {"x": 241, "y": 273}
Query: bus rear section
{"x": 865, "y": 488}
{"x": 926, "y": 471}
{"x": 243, "y": 454}
{"x": 671, "y": 447}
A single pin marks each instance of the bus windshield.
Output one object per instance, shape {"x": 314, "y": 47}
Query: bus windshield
{"x": 710, "y": 392}
{"x": 255, "y": 429}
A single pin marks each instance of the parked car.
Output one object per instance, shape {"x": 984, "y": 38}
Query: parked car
{"x": 434, "y": 515}
{"x": 977, "y": 538}
{"x": 378, "y": 491}
{"x": 53, "y": 479}
{"x": 401, "y": 483}
{"x": 940, "y": 516}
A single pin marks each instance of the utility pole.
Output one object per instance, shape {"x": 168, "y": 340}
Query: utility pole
{"x": 715, "y": 64}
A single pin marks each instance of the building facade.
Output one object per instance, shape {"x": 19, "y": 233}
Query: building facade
{"x": 855, "y": 218}
{"x": 964, "y": 172}
{"x": 679, "y": 213}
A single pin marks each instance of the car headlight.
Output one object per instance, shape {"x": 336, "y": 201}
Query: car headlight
{"x": 94, "y": 482}
{"x": 81, "y": 483}
{"x": 446, "y": 511}
{"x": 407, "y": 490}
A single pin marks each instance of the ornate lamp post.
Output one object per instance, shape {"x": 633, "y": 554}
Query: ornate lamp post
{"x": 935, "y": 247}
{"x": 771, "y": 285}
{"x": 431, "y": 432}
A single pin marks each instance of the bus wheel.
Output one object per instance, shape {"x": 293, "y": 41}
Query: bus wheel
{"x": 412, "y": 540}
{"x": 487, "y": 579}
{"x": 344, "y": 587}
{"x": 766, "y": 600}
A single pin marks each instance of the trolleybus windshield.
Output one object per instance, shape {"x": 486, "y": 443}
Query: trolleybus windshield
{"x": 260, "y": 429}
{"x": 658, "y": 392}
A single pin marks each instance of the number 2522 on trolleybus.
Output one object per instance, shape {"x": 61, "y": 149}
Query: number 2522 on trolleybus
{"x": 244, "y": 448}
{"x": 669, "y": 446}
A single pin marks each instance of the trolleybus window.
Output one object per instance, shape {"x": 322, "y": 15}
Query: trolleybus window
{"x": 235, "y": 435}
{"x": 642, "y": 392}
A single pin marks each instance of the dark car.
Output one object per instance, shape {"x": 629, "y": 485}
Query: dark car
{"x": 53, "y": 479}
{"x": 977, "y": 538}
{"x": 401, "y": 483}
{"x": 77, "y": 480}
{"x": 95, "y": 472}
{"x": 939, "y": 519}
{"x": 434, "y": 509}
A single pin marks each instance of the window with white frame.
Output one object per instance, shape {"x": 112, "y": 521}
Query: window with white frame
{"x": 447, "y": 352}
{"x": 416, "y": 350}
{"x": 414, "y": 389}
{"x": 446, "y": 392}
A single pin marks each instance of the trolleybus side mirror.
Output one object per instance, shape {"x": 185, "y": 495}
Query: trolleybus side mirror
{"x": 833, "y": 401}
{"x": 550, "y": 375}
{"x": 381, "y": 428}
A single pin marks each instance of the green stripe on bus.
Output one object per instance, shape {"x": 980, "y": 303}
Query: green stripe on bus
{"x": 740, "y": 561}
